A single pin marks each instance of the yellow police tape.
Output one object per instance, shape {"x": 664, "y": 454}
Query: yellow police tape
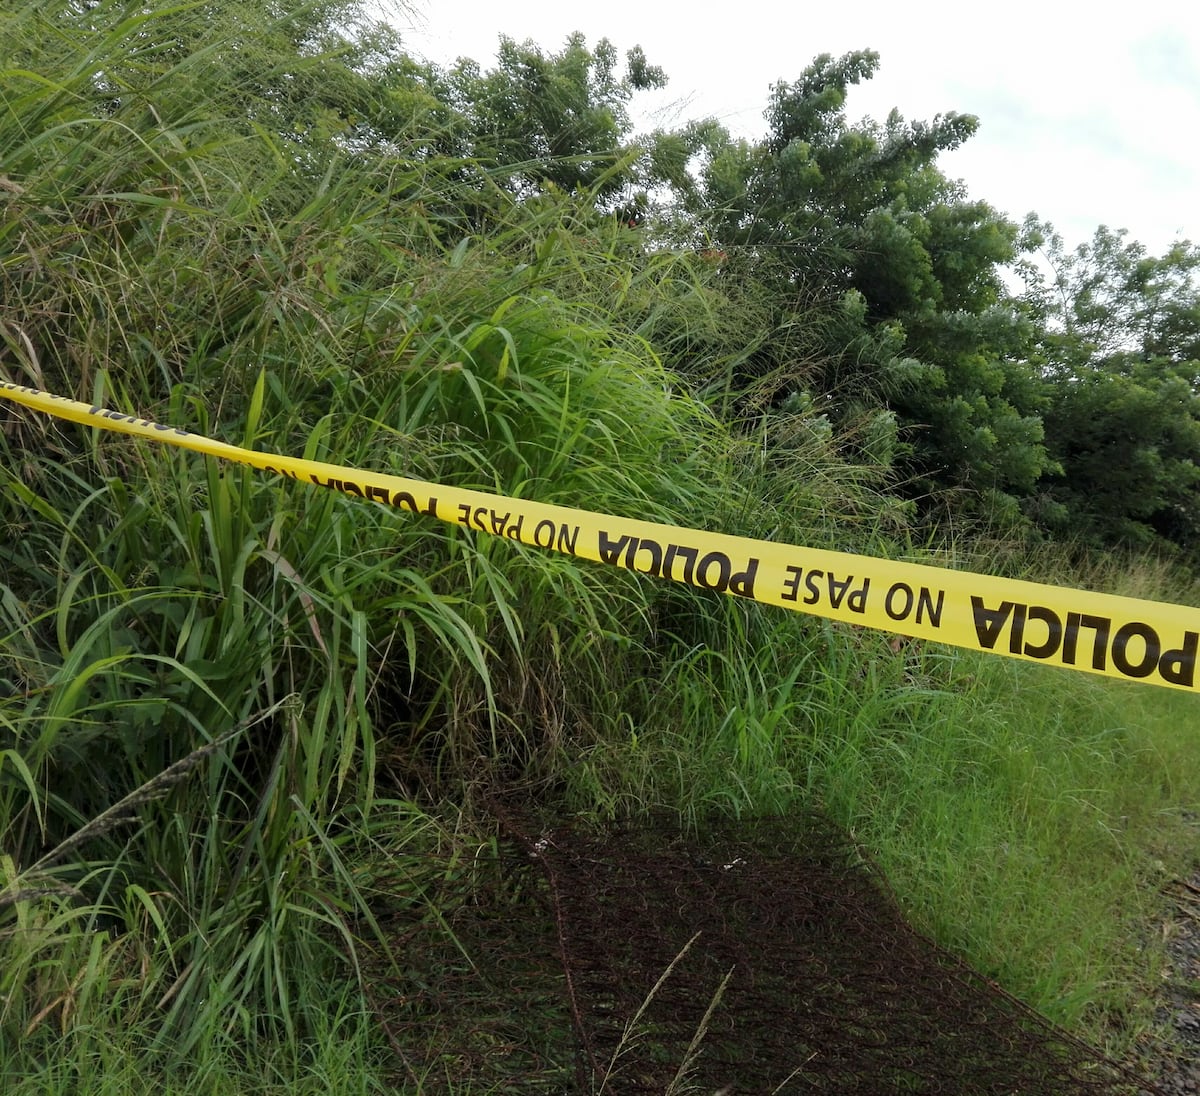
{"x": 1096, "y": 633}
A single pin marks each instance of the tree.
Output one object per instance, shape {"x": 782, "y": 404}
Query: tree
{"x": 891, "y": 271}
{"x": 1121, "y": 345}
{"x": 539, "y": 120}
{"x": 1111, "y": 302}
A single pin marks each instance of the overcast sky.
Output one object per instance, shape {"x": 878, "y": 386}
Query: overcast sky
{"x": 1086, "y": 117}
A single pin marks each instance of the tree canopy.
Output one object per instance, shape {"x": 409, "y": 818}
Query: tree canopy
{"x": 894, "y": 272}
{"x": 1120, "y": 345}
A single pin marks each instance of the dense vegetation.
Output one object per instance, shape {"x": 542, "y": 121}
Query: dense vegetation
{"x": 233, "y": 710}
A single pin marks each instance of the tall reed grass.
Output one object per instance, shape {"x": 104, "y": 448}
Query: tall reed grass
{"x": 228, "y": 701}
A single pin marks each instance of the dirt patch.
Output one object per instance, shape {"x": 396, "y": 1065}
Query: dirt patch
{"x": 1175, "y": 1061}
{"x": 762, "y": 957}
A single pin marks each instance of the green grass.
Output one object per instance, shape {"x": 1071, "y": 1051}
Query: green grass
{"x": 1025, "y": 817}
{"x": 342, "y": 1054}
{"x": 297, "y": 700}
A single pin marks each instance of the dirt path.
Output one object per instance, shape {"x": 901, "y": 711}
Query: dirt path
{"x": 1175, "y": 1065}
{"x": 762, "y": 956}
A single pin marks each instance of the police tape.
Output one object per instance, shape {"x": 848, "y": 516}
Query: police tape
{"x": 1095, "y": 633}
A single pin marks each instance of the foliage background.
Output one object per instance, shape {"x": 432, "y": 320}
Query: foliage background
{"x": 237, "y": 716}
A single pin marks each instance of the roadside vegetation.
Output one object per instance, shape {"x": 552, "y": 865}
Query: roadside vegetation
{"x": 234, "y": 712}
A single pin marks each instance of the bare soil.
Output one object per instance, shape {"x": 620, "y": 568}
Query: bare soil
{"x": 1174, "y": 1060}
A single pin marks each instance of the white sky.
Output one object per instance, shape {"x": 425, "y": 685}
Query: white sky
{"x": 1090, "y": 113}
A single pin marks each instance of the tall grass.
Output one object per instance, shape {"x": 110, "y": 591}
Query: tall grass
{"x": 172, "y": 255}
{"x": 1027, "y": 818}
{"x": 226, "y": 699}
